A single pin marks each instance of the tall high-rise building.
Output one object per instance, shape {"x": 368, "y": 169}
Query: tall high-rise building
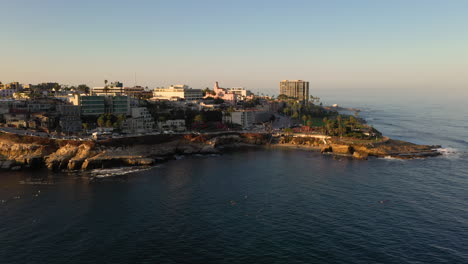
{"x": 297, "y": 89}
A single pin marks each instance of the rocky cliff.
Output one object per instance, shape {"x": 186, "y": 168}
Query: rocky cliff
{"x": 18, "y": 152}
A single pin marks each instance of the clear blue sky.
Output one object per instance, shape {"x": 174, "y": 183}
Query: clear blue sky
{"x": 398, "y": 44}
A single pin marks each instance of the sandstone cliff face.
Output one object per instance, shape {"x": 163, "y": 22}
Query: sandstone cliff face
{"x": 84, "y": 155}
{"x": 18, "y": 154}
{"x": 69, "y": 156}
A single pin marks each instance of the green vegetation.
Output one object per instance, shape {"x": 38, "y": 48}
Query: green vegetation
{"x": 349, "y": 126}
{"x": 109, "y": 120}
{"x": 199, "y": 118}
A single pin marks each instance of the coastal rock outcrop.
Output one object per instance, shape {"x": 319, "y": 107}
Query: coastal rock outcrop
{"x": 342, "y": 149}
{"x": 69, "y": 156}
{"x": 360, "y": 155}
{"x": 360, "y": 149}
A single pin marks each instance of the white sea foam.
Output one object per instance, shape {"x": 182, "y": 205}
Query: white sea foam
{"x": 103, "y": 173}
{"x": 179, "y": 157}
{"x": 450, "y": 152}
{"x": 390, "y": 158}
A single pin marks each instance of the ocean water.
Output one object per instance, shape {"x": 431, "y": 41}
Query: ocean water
{"x": 259, "y": 206}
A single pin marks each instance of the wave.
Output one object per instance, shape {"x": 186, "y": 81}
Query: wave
{"x": 104, "y": 173}
{"x": 390, "y": 158}
{"x": 451, "y": 153}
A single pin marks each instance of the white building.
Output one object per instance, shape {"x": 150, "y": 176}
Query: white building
{"x": 240, "y": 92}
{"x": 140, "y": 121}
{"x": 115, "y": 88}
{"x": 247, "y": 118}
{"x": 174, "y": 125}
{"x": 175, "y": 92}
{"x": 8, "y": 89}
{"x": 7, "y": 92}
{"x": 243, "y": 118}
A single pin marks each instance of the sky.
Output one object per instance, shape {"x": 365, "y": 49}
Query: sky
{"x": 384, "y": 46}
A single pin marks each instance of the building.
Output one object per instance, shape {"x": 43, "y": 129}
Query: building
{"x": 115, "y": 88}
{"x": 98, "y": 105}
{"x": 176, "y": 92}
{"x": 70, "y": 118}
{"x": 8, "y": 89}
{"x": 247, "y": 118}
{"x": 120, "y": 105}
{"x": 16, "y": 119}
{"x": 91, "y": 104}
{"x": 137, "y": 92}
{"x": 177, "y": 125}
{"x": 68, "y": 110}
{"x": 240, "y": 93}
{"x": 244, "y": 118}
{"x": 141, "y": 121}
{"x": 70, "y": 124}
{"x": 7, "y": 92}
{"x": 297, "y": 89}
{"x": 223, "y": 93}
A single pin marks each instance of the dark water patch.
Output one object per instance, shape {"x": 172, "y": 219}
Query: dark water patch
{"x": 256, "y": 206}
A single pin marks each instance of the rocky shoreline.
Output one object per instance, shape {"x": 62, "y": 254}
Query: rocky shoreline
{"x": 26, "y": 152}
{"x": 359, "y": 149}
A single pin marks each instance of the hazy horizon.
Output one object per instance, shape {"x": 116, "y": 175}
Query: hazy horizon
{"x": 366, "y": 45}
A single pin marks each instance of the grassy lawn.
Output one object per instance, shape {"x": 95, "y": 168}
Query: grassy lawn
{"x": 345, "y": 140}
{"x": 317, "y": 121}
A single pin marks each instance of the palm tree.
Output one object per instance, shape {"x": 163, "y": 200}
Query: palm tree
{"x": 230, "y": 110}
{"x": 106, "y": 89}
{"x": 304, "y": 119}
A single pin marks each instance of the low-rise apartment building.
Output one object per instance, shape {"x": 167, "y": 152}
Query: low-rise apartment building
{"x": 175, "y": 92}
{"x": 141, "y": 121}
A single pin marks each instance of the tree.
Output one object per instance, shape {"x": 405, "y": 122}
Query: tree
{"x": 108, "y": 123}
{"x": 230, "y": 110}
{"x": 341, "y": 126}
{"x": 327, "y": 126}
{"x": 304, "y": 119}
{"x": 85, "y": 126}
{"x": 199, "y": 118}
{"x": 106, "y": 89}
{"x": 288, "y": 131}
{"x": 352, "y": 122}
{"x": 101, "y": 121}
{"x": 207, "y": 91}
{"x": 218, "y": 101}
{"x": 295, "y": 115}
{"x": 286, "y": 110}
{"x": 121, "y": 118}
{"x": 83, "y": 88}
{"x": 309, "y": 123}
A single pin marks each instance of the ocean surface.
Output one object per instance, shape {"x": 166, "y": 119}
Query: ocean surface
{"x": 259, "y": 206}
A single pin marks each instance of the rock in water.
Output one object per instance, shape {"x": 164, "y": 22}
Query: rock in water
{"x": 360, "y": 155}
